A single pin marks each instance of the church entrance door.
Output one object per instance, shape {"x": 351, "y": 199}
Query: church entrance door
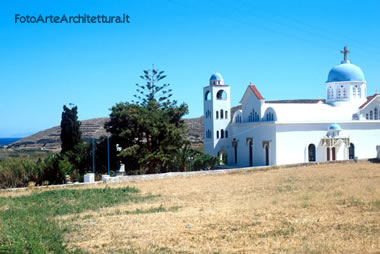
{"x": 351, "y": 152}
{"x": 266, "y": 155}
{"x": 235, "y": 152}
{"x": 333, "y": 153}
{"x": 328, "y": 153}
{"x": 250, "y": 154}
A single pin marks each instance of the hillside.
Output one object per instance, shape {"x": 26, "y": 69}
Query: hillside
{"x": 49, "y": 139}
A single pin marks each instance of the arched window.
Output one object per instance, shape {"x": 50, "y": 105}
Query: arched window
{"x": 226, "y": 132}
{"x": 217, "y": 114}
{"x": 221, "y": 95}
{"x": 207, "y": 96}
{"x": 366, "y": 116}
{"x": 370, "y": 115}
{"x": 311, "y": 152}
{"x": 238, "y": 119}
{"x": 256, "y": 116}
{"x": 376, "y": 114}
{"x": 217, "y": 134}
{"x": 208, "y": 134}
{"x": 208, "y": 114}
{"x": 226, "y": 114}
{"x": 221, "y": 114}
{"x": 221, "y": 133}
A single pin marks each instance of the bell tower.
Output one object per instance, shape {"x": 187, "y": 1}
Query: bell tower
{"x": 217, "y": 107}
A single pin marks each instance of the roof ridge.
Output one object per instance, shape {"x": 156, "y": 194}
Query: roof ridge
{"x": 368, "y": 100}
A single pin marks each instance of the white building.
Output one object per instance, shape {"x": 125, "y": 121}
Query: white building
{"x": 344, "y": 126}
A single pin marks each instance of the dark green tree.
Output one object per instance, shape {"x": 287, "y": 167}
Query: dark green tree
{"x": 150, "y": 130}
{"x": 70, "y": 132}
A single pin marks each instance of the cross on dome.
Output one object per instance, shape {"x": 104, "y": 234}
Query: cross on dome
{"x": 345, "y": 51}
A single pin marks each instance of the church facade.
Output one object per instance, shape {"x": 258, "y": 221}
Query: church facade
{"x": 346, "y": 125}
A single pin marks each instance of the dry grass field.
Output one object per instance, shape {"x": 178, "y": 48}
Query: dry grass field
{"x": 330, "y": 208}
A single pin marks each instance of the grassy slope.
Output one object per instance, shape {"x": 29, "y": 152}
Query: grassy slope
{"x": 331, "y": 208}
{"x": 28, "y": 223}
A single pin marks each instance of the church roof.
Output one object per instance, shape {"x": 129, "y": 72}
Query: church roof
{"x": 335, "y": 126}
{"x": 216, "y": 76}
{"x": 345, "y": 72}
{"x": 298, "y": 101}
{"x": 256, "y": 92}
{"x": 368, "y": 100}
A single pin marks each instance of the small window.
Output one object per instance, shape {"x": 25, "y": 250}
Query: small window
{"x": 217, "y": 134}
{"x": 370, "y": 115}
{"x": 221, "y": 114}
{"x": 226, "y": 132}
{"x": 217, "y": 114}
{"x": 222, "y": 133}
{"x": 226, "y": 114}
{"x": 376, "y": 114}
{"x": 366, "y": 116}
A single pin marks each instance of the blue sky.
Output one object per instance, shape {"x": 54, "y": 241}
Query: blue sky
{"x": 285, "y": 48}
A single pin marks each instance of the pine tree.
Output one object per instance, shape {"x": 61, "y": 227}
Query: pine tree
{"x": 150, "y": 130}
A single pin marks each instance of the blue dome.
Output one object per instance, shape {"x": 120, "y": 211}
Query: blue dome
{"x": 216, "y": 76}
{"x": 345, "y": 72}
{"x": 335, "y": 127}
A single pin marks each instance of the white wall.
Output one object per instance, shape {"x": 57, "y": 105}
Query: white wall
{"x": 259, "y": 132}
{"x": 293, "y": 139}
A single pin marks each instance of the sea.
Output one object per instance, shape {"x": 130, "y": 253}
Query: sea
{"x": 7, "y": 141}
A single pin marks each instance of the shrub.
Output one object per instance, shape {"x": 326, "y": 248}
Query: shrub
{"x": 205, "y": 161}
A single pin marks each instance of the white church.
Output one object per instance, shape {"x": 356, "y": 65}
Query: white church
{"x": 344, "y": 126}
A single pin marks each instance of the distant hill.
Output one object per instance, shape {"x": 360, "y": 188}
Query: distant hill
{"x": 49, "y": 139}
